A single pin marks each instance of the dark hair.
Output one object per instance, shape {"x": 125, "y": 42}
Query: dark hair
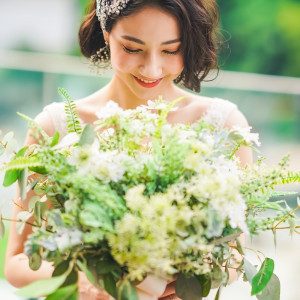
{"x": 197, "y": 19}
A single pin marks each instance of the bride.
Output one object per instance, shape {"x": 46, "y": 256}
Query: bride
{"x": 152, "y": 45}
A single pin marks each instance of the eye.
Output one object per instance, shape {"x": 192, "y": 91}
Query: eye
{"x": 172, "y": 52}
{"x": 128, "y": 50}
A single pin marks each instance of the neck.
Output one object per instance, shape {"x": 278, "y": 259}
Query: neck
{"x": 119, "y": 92}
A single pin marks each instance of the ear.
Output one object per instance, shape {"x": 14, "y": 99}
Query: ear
{"x": 106, "y": 36}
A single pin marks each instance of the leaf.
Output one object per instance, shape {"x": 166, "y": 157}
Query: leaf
{"x": 86, "y": 270}
{"x": 62, "y": 268}
{"x": 205, "y": 282}
{"x": 217, "y": 297}
{"x": 110, "y": 284}
{"x": 22, "y": 180}
{"x": 263, "y": 276}
{"x": 55, "y": 139}
{"x": 188, "y": 288}
{"x": 2, "y": 229}
{"x": 88, "y": 135}
{"x": 127, "y": 291}
{"x": 106, "y": 266}
{"x": 35, "y": 261}
{"x": 249, "y": 269}
{"x": 271, "y": 291}
{"x": 11, "y": 176}
{"x": 42, "y": 287}
{"x": 216, "y": 277}
{"x": 65, "y": 293}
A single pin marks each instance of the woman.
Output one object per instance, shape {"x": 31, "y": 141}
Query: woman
{"x": 153, "y": 44}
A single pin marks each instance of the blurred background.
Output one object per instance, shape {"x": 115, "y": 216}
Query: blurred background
{"x": 260, "y": 72}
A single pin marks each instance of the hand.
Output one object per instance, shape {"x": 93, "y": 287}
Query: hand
{"x": 87, "y": 291}
{"x": 169, "y": 293}
{"x": 151, "y": 288}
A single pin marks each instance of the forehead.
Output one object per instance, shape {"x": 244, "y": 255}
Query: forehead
{"x": 150, "y": 24}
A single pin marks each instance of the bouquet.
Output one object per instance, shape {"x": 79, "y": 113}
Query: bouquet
{"x": 134, "y": 196}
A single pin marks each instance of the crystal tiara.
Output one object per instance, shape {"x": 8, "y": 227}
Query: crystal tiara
{"x": 106, "y": 8}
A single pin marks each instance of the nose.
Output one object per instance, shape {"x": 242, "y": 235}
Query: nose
{"x": 151, "y": 67}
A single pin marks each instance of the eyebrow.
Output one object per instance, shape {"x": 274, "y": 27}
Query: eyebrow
{"x": 133, "y": 39}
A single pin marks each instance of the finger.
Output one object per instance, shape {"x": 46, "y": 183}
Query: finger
{"x": 170, "y": 289}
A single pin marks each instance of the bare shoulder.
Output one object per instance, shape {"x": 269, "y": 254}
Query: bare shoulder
{"x": 236, "y": 118}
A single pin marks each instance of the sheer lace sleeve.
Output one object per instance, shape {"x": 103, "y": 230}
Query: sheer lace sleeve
{"x": 57, "y": 114}
{"x": 218, "y": 112}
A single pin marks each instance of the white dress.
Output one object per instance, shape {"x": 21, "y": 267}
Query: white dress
{"x": 216, "y": 115}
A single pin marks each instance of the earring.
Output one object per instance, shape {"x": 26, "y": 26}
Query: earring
{"x": 100, "y": 62}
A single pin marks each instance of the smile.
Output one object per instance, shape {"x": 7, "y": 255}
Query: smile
{"x": 147, "y": 83}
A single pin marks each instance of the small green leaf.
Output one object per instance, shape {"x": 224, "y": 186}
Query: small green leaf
{"x": 127, "y": 291}
{"x": 35, "y": 261}
{"x": 106, "y": 266}
{"x": 110, "y": 284}
{"x": 55, "y": 139}
{"x": 39, "y": 170}
{"x": 271, "y": 291}
{"x": 205, "y": 282}
{"x": 2, "y": 229}
{"x": 88, "y": 135}
{"x": 216, "y": 277}
{"x": 42, "y": 287}
{"x": 261, "y": 279}
{"x": 87, "y": 272}
{"x": 64, "y": 293}
{"x": 218, "y": 293}
{"x": 188, "y": 288}
{"x": 22, "y": 180}
{"x": 11, "y": 176}
{"x": 249, "y": 269}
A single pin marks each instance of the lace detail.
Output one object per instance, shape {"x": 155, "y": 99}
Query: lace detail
{"x": 58, "y": 117}
{"x": 218, "y": 112}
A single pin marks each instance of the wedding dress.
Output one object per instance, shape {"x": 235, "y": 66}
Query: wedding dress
{"x": 216, "y": 115}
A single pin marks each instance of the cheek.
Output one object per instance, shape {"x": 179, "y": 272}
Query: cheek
{"x": 121, "y": 61}
{"x": 175, "y": 64}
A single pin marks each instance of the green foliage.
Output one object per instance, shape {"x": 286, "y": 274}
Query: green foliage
{"x": 73, "y": 120}
{"x": 188, "y": 288}
{"x": 262, "y": 37}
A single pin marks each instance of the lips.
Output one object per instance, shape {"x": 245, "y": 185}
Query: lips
{"x": 146, "y": 82}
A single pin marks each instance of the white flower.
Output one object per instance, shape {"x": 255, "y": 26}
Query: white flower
{"x": 158, "y": 105}
{"x": 109, "y": 110}
{"x": 246, "y": 134}
{"x": 69, "y": 140}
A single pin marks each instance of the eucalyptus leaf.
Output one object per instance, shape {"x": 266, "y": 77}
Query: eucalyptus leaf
{"x": 261, "y": 279}
{"x": 88, "y": 135}
{"x": 217, "y": 297}
{"x": 271, "y": 291}
{"x": 33, "y": 201}
{"x": 42, "y": 287}
{"x": 110, "y": 284}
{"x": 205, "y": 282}
{"x": 87, "y": 272}
{"x": 216, "y": 277}
{"x": 188, "y": 288}
{"x": 22, "y": 180}
{"x": 64, "y": 293}
{"x": 249, "y": 269}
{"x": 126, "y": 291}
{"x": 35, "y": 261}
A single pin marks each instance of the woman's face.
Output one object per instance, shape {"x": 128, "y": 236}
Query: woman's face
{"x": 145, "y": 52}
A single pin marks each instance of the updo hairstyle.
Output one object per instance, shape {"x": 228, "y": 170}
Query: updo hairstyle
{"x": 197, "y": 20}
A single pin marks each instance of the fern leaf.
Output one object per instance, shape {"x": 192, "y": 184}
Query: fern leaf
{"x": 35, "y": 125}
{"x": 21, "y": 163}
{"x": 71, "y": 112}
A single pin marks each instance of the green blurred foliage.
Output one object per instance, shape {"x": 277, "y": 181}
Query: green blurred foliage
{"x": 263, "y": 36}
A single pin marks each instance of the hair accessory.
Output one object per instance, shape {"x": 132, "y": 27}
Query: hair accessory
{"x": 106, "y": 8}
{"x": 100, "y": 61}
